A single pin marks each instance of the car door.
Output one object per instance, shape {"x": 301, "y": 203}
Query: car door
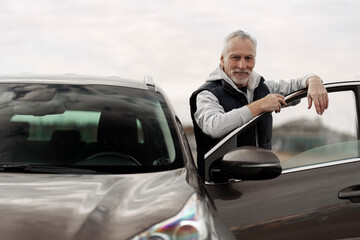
{"x": 317, "y": 196}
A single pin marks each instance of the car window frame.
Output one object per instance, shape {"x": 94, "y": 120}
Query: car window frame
{"x": 229, "y": 142}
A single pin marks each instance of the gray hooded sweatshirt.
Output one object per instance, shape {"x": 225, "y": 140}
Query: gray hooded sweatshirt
{"x": 215, "y": 122}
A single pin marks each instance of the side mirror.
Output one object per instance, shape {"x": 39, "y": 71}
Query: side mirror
{"x": 247, "y": 163}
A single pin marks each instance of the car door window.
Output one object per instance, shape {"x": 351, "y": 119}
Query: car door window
{"x": 301, "y": 137}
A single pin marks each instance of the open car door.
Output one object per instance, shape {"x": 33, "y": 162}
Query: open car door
{"x": 317, "y": 194}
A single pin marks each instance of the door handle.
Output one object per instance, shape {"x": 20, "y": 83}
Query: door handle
{"x": 352, "y": 193}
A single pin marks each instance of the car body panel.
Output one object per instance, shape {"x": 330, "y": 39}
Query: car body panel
{"x": 45, "y": 195}
{"x": 47, "y": 206}
{"x": 296, "y": 205}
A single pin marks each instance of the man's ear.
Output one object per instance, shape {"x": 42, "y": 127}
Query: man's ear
{"x": 222, "y": 61}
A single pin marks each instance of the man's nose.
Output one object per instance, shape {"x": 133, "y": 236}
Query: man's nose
{"x": 242, "y": 63}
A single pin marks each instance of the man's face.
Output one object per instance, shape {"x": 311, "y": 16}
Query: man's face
{"x": 238, "y": 60}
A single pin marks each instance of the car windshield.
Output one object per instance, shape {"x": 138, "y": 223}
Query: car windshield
{"x": 104, "y": 128}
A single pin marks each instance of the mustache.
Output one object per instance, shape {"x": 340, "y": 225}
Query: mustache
{"x": 240, "y": 71}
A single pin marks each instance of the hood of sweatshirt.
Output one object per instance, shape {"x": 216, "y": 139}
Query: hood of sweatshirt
{"x": 218, "y": 74}
{"x": 253, "y": 82}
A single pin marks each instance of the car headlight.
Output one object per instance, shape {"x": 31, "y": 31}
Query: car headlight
{"x": 191, "y": 223}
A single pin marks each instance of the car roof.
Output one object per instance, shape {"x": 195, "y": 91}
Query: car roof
{"x": 77, "y": 79}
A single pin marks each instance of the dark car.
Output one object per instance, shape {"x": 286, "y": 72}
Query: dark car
{"x": 97, "y": 158}
{"x": 106, "y": 158}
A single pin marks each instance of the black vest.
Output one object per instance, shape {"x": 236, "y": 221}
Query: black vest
{"x": 229, "y": 99}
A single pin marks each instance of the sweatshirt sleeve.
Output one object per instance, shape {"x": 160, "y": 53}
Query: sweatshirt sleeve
{"x": 213, "y": 120}
{"x": 286, "y": 87}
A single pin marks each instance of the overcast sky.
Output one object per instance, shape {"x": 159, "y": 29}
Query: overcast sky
{"x": 178, "y": 43}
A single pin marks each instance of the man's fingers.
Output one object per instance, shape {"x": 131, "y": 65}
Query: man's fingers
{"x": 278, "y": 108}
{"x": 323, "y": 104}
{"x": 320, "y": 103}
{"x": 282, "y": 101}
{"x": 309, "y": 101}
{"x": 318, "y": 106}
{"x": 317, "y": 94}
{"x": 326, "y": 101}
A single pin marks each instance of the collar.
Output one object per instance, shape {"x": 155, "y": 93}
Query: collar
{"x": 219, "y": 74}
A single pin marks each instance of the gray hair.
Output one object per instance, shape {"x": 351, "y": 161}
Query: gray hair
{"x": 240, "y": 34}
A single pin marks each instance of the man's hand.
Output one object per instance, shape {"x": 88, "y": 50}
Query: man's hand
{"x": 317, "y": 94}
{"x": 272, "y": 102}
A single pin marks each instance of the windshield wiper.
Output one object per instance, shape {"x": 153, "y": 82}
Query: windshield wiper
{"x": 26, "y": 168}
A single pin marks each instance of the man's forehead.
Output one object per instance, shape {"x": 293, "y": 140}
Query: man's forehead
{"x": 241, "y": 46}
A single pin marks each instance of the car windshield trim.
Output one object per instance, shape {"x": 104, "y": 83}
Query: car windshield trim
{"x": 83, "y": 169}
{"x": 30, "y": 168}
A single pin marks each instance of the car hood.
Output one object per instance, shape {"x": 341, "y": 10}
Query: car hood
{"x": 48, "y": 206}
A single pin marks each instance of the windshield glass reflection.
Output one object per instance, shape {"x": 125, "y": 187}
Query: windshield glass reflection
{"x": 86, "y": 126}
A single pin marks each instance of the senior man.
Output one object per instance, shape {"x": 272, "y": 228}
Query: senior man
{"x": 234, "y": 94}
